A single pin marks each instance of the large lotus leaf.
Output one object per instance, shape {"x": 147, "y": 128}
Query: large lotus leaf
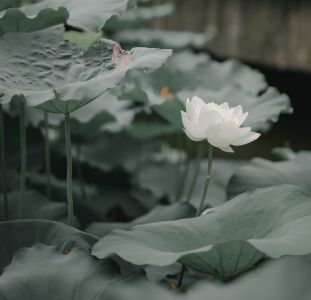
{"x": 186, "y": 75}
{"x": 86, "y": 15}
{"x": 36, "y": 206}
{"x": 60, "y": 77}
{"x": 44, "y": 272}
{"x": 264, "y": 173}
{"x": 162, "y": 179}
{"x": 159, "y": 213}
{"x": 26, "y": 233}
{"x": 14, "y": 20}
{"x": 163, "y": 38}
{"x": 273, "y": 221}
{"x": 137, "y": 16}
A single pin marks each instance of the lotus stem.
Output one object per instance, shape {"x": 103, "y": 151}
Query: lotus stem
{"x": 80, "y": 174}
{"x": 196, "y": 172}
{"x": 183, "y": 175}
{"x": 207, "y": 180}
{"x": 183, "y": 178}
{"x": 47, "y": 155}
{"x": 23, "y": 167}
{"x": 201, "y": 207}
{"x": 3, "y": 167}
{"x": 69, "y": 169}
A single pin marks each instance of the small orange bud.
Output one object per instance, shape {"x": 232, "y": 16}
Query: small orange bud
{"x": 165, "y": 92}
{"x": 173, "y": 285}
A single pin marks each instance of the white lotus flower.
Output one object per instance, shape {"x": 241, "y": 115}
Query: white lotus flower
{"x": 219, "y": 124}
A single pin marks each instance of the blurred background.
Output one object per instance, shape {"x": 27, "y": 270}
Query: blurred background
{"x": 271, "y": 36}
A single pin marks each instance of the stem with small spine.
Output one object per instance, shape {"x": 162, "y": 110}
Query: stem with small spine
{"x": 3, "y": 167}
{"x": 69, "y": 169}
{"x": 23, "y": 167}
{"x": 47, "y": 155}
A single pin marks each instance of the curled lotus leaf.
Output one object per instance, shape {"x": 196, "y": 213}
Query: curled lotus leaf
{"x": 88, "y": 15}
{"x": 14, "y": 20}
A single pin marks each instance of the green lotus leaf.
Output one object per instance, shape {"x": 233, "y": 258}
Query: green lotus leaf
{"x": 163, "y": 38}
{"x": 89, "y": 16}
{"x": 44, "y": 272}
{"x": 14, "y": 20}
{"x": 264, "y": 173}
{"x": 162, "y": 180}
{"x": 137, "y": 16}
{"x": 26, "y": 233}
{"x": 273, "y": 221}
{"x": 36, "y": 207}
{"x": 159, "y": 213}
{"x": 66, "y": 77}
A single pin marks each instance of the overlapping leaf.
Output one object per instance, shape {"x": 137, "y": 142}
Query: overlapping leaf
{"x": 273, "y": 221}
{"x": 264, "y": 173}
